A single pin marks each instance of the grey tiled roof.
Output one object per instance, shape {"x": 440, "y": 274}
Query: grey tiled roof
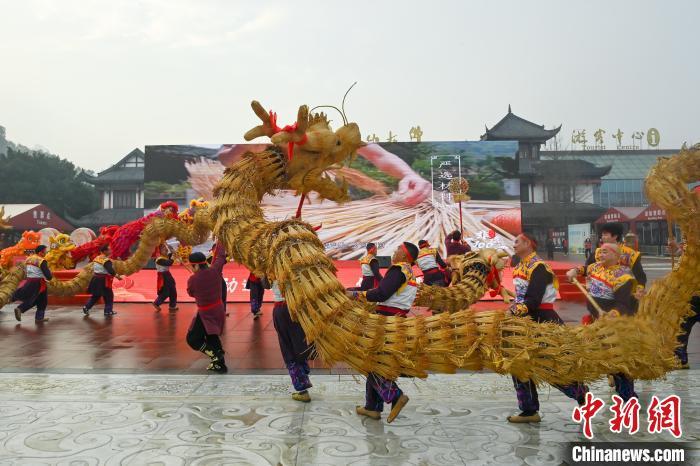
{"x": 626, "y": 165}
{"x": 513, "y": 127}
{"x": 109, "y": 217}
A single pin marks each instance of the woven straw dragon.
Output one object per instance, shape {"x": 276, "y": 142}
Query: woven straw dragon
{"x": 345, "y": 330}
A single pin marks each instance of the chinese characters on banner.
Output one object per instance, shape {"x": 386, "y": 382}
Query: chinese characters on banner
{"x": 662, "y": 415}
{"x": 485, "y": 239}
{"x": 415, "y": 134}
{"x": 579, "y": 137}
{"x": 442, "y": 169}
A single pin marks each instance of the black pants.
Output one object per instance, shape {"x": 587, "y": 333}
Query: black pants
{"x": 257, "y": 293}
{"x": 198, "y": 339}
{"x": 434, "y": 277}
{"x": 30, "y": 295}
{"x": 98, "y": 289}
{"x": 167, "y": 291}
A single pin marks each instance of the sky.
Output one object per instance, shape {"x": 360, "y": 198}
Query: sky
{"x": 91, "y": 80}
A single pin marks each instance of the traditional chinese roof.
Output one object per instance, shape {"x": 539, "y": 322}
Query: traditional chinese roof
{"x": 108, "y": 217}
{"x": 514, "y": 128}
{"x": 562, "y": 170}
{"x": 120, "y": 173}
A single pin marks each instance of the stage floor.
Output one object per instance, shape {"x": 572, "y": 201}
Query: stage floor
{"x": 140, "y": 340}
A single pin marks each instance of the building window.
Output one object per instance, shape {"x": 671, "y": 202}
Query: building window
{"x": 124, "y": 199}
{"x": 134, "y": 162}
{"x": 559, "y": 193}
{"x": 524, "y": 192}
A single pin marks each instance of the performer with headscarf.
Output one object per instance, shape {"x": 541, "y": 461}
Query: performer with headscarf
{"x": 101, "y": 283}
{"x": 295, "y": 350}
{"x": 208, "y": 323}
{"x": 430, "y": 263}
{"x": 165, "y": 285}
{"x": 611, "y": 285}
{"x": 395, "y": 295}
{"x": 33, "y": 292}
{"x": 535, "y": 294}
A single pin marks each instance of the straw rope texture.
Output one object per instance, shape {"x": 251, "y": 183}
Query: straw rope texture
{"x": 345, "y": 330}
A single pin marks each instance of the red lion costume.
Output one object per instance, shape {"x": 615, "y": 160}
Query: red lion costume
{"x": 91, "y": 249}
{"x": 129, "y": 233}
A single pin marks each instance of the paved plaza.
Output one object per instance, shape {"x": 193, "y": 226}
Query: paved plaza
{"x": 88, "y": 390}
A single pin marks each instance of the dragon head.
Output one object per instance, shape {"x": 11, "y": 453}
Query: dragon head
{"x": 486, "y": 263}
{"x": 312, "y": 147}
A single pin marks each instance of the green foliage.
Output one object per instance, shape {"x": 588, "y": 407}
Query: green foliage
{"x": 38, "y": 177}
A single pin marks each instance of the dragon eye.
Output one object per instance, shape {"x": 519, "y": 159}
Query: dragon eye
{"x": 337, "y": 143}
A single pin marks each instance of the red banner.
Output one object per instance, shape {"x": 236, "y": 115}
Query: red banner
{"x": 141, "y": 286}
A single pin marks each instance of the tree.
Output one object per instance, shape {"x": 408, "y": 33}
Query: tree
{"x": 38, "y": 177}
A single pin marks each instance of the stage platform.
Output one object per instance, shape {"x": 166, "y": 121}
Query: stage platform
{"x": 141, "y": 286}
{"x": 140, "y": 340}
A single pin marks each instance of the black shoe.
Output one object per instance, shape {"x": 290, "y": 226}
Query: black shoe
{"x": 86, "y": 311}
{"x": 110, "y": 314}
{"x": 217, "y": 366}
{"x": 18, "y": 314}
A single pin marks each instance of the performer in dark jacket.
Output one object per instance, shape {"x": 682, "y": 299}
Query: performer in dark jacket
{"x": 430, "y": 262}
{"x": 535, "y": 294}
{"x": 224, "y": 290}
{"x": 208, "y": 323}
{"x": 101, "y": 282}
{"x": 167, "y": 289}
{"x": 33, "y": 292}
{"x": 611, "y": 285}
{"x": 395, "y": 295}
{"x": 254, "y": 285}
{"x": 455, "y": 245}
{"x": 295, "y": 350}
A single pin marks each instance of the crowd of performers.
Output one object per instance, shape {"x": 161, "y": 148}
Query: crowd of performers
{"x": 615, "y": 280}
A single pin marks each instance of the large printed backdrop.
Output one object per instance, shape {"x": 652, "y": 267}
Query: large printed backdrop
{"x": 398, "y": 190}
{"x": 141, "y": 286}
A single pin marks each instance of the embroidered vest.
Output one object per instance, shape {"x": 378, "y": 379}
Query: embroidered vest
{"x": 365, "y": 265}
{"x": 603, "y": 282}
{"x": 427, "y": 259}
{"x": 162, "y": 268}
{"x": 406, "y": 294}
{"x": 99, "y": 265}
{"x": 521, "y": 280}
{"x": 33, "y": 266}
